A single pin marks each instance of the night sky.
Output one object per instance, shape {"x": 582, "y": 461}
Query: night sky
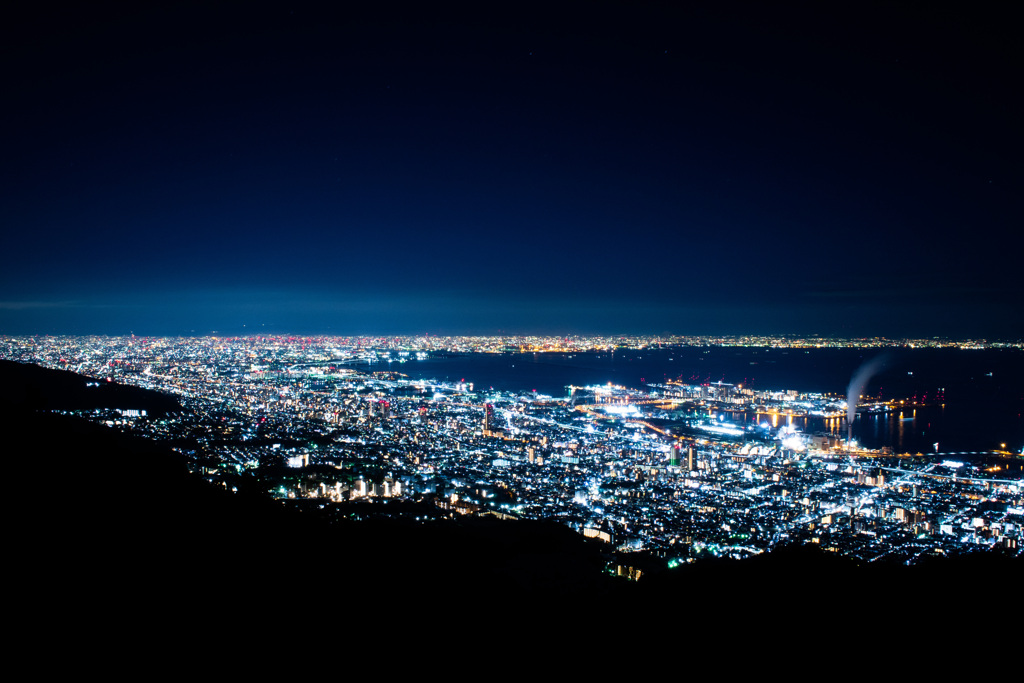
{"x": 596, "y": 168}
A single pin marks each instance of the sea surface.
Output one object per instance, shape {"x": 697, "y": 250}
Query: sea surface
{"x": 974, "y": 398}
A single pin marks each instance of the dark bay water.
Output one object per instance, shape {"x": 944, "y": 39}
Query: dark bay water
{"x": 982, "y": 390}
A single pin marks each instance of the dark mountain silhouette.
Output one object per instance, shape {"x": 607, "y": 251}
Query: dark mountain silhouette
{"x": 30, "y": 387}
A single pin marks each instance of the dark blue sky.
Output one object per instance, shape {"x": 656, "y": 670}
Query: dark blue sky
{"x": 600, "y": 167}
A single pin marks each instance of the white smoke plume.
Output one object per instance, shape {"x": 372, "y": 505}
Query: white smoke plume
{"x": 859, "y": 382}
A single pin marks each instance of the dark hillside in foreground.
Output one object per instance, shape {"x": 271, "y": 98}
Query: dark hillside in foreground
{"x": 127, "y": 515}
{"x": 30, "y": 387}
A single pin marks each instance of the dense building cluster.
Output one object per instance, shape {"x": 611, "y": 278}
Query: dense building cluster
{"x": 677, "y": 470}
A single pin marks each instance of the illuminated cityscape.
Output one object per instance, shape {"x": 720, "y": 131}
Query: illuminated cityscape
{"x": 424, "y": 315}
{"x": 670, "y": 471}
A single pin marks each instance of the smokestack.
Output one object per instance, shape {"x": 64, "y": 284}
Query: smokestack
{"x": 858, "y": 383}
